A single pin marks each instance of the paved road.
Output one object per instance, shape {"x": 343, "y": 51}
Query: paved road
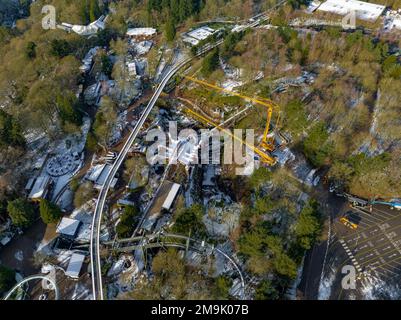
{"x": 315, "y": 262}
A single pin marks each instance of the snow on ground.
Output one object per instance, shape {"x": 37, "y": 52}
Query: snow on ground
{"x": 219, "y": 222}
{"x": 64, "y": 256}
{"x": 44, "y": 247}
{"x": 19, "y": 255}
{"x": 374, "y": 288}
{"x": 127, "y": 271}
{"x": 230, "y": 84}
{"x": 292, "y": 291}
{"x": 66, "y": 200}
{"x": 80, "y": 292}
{"x": 325, "y": 287}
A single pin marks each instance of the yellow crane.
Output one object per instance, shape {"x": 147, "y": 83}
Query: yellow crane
{"x": 268, "y": 138}
{"x": 264, "y": 157}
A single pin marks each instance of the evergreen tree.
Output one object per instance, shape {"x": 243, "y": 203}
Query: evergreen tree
{"x": 21, "y": 212}
{"x": 211, "y": 62}
{"x": 175, "y": 11}
{"x": 10, "y": 131}
{"x": 49, "y": 212}
{"x": 184, "y": 9}
{"x": 94, "y": 10}
{"x": 67, "y": 110}
{"x": 31, "y": 50}
{"x": 7, "y": 279}
{"x": 60, "y": 48}
{"x": 127, "y": 221}
{"x": 84, "y": 12}
{"x": 170, "y": 30}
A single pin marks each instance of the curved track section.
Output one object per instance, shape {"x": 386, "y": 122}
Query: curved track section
{"x": 97, "y": 216}
{"x": 34, "y": 277}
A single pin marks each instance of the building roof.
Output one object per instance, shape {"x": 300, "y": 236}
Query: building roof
{"x": 363, "y": 10}
{"x": 190, "y": 40}
{"x": 90, "y": 29}
{"x": 201, "y": 33}
{"x": 68, "y": 227}
{"x": 40, "y": 188}
{"x": 160, "y": 198}
{"x": 103, "y": 175}
{"x": 75, "y": 265}
{"x": 29, "y": 184}
{"x": 125, "y": 202}
{"x": 171, "y": 196}
{"x": 96, "y": 171}
{"x": 134, "y": 32}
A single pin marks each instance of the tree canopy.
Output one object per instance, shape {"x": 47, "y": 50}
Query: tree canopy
{"x": 7, "y": 279}
{"x": 49, "y": 212}
{"x": 126, "y": 225}
{"x": 21, "y": 212}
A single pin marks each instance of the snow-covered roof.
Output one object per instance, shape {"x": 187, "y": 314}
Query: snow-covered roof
{"x": 313, "y": 6}
{"x": 171, "y": 196}
{"x": 40, "y": 188}
{"x": 68, "y": 227}
{"x": 90, "y": 29}
{"x": 75, "y": 265}
{"x": 125, "y": 202}
{"x": 96, "y": 171}
{"x": 190, "y": 40}
{"x": 393, "y": 19}
{"x": 29, "y": 184}
{"x": 102, "y": 177}
{"x": 397, "y": 23}
{"x": 142, "y": 47}
{"x": 363, "y": 10}
{"x": 201, "y": 33}
{"x": 134, "y": 32}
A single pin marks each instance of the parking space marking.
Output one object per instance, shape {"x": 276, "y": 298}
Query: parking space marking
{"x": 388, "y": 220}
{"x": 374, "y": 214}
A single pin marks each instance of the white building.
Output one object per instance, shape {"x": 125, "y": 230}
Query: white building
{"x": 392, "y": 20}
{"x": 141, "y": 33}
{"x": 98, "y": 175}
{"x": 68, "y": 227}
{"x": 193, "y": 37}
{"x": 363, "y": 10}
{"x": 40, "y": 189}
{"x": 171, "y": 196}
{"x": 75, "y": 265}
{"x": 90, "y": 29}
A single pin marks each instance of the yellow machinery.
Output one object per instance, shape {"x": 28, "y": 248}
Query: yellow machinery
{"x": 264, "y": 157}
{"x": 268, "y": 138}
{"x": 345, "y": 221}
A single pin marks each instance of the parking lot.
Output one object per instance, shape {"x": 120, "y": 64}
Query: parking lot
{"x": 374, "y": 248}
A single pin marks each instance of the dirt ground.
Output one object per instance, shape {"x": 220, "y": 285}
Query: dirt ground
{"x": 19, "y": 252}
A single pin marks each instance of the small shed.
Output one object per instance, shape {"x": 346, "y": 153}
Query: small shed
{"x": 75, "y": 265}
{"x": 171, "y": 196}
{"x": 40, "y": 188}
{"x": 68, "y": 227}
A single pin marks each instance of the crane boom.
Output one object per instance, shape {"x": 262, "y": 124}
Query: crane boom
{"x": 267, "y": 139}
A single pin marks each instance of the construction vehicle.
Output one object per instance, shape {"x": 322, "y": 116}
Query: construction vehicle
{"x": 358, "y": 202}
{"x": 392, "y": 204}
{"x": 349, "y": 221}
{"x": 267, "y": 141}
